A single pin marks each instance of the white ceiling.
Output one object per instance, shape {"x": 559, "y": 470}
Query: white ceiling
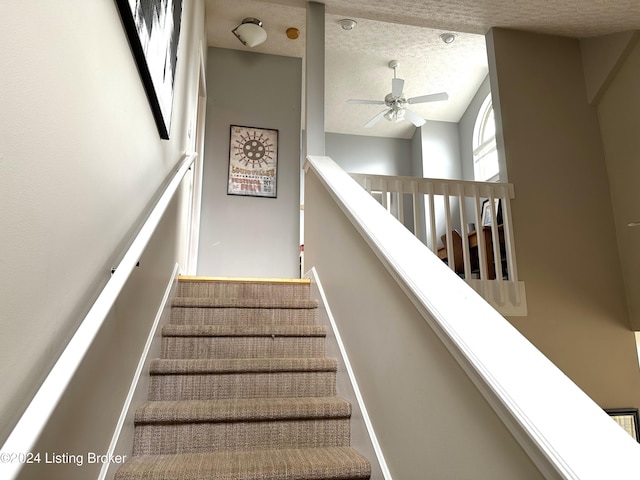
{"x": 408, "y": 31}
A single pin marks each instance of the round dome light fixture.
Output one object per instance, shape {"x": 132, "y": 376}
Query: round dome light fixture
{"x": 250, "y": 32}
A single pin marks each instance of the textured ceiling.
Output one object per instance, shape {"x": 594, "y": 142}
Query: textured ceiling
{"x": 408, "y": 31}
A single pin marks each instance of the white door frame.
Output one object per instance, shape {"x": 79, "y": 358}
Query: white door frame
{"x": 198, "y": 167}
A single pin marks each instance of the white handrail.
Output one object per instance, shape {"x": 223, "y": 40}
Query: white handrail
{"x": 565, "y": 433}
{"x": 35, "y": 417}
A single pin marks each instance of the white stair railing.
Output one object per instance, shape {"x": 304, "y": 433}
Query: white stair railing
{"x": 565, "y": 433}
{"x": 455, "y": 210}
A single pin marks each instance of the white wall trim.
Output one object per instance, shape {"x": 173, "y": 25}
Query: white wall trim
{"x": 195, "y": 213}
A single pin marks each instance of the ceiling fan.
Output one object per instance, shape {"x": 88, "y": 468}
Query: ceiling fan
{"x": 396, "y": 102}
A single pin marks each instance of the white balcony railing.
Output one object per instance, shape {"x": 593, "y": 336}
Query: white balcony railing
{"x": 442, "y": 213}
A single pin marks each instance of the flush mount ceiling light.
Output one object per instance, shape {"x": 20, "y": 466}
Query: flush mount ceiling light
{"x": 347, "y": 24}
{"x": 250, "y": 32}
{"x": 448, "y": 38}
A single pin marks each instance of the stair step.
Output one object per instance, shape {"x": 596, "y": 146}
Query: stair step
{"x": 207, "y": 379}
{"x": 250, "y": 302}
{"x": 247, "y": 288}
{"x": 237, "y": 410}
{"x": 224, "y": 341}
{"x": 330, "y": 463}
{"x": 242, "y": 316}
{"x": 241, "y": 424}
{"x": 241, "y": 365}
{"x": 244, "y": 331}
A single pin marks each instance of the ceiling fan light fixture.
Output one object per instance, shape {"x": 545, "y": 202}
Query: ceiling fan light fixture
{"x": 395, "y": 115}
{"x": 448, "y": 37}
{"x": 250, "y": 32}
{"x": 347, "y": 24}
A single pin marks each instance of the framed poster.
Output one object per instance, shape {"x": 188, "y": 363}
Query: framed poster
{"x": 253, "y": 162}
{"x": 153, "y": 29}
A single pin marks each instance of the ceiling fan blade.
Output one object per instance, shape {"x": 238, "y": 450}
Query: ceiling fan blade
{"x": 414, "y": 118}
{"x": 397, "y": 85}
{"x": 375, "y": 119}
{"x": 434, "y": 97}
{"x": 366, "y": 102}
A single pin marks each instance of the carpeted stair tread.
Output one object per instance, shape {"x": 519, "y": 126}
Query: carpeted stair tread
{"x": 247, "y": 289}
{"x": 243, "y": 347}
{"x": 242, "y": 410}
{"x": 269, "y": 303}
{"x": 241, "y": 365}
{"x": 242, "y": 316}
{"x": 329, "y": 463}
{"x": 172, "y": 330}
{"x": 243, "y": 385}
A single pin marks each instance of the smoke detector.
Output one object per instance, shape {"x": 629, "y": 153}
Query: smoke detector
{"x": 347, "y": 24}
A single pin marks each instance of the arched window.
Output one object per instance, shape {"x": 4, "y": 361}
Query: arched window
{"x": 485, "y": 155}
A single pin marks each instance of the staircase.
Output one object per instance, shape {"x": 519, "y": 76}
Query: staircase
{"x": 243, "y": 390}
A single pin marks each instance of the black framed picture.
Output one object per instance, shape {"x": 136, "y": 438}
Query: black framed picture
{"x": 487, "y": 212}
{"x": 253, "y": 162}
{"x": 153, "y": 30}
{"x": 627, "y": 418}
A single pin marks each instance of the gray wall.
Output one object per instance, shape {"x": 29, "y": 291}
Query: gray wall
{"x": 241, "y": 235}
{"x": 441, "y": 150}
{"x": 364, "y": 154}
{"x": 562, "y": 215}
{"x": 466, "y": 126}
{"x": 81, "y": 161}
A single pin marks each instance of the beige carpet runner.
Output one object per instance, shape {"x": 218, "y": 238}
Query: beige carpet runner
{"x": 243, "y": 391}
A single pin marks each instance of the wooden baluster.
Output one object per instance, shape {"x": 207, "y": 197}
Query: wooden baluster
{"x": 508, "y": 236}
{"x": 432, "y": 219}
{"x": 495, "y": 236}
{"x": 400, "y": 201}
{"x": 416, "y": 215}
{"x": 385, "y": 191}
{"x": 466, "y": 255}
{"x": 482, "y": 246}
{"x": 451, "y": 256}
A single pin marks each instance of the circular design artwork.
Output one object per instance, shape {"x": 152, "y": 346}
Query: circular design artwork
{"x": 253, "y": 161}
{"x": 254, "y": 150}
